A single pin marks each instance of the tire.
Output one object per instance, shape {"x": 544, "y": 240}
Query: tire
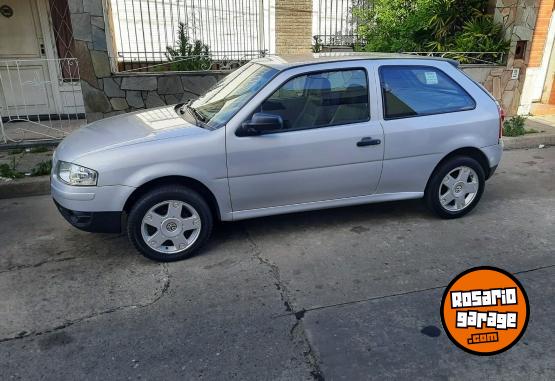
{"x": 445, "y": 184}
{"x": 170, "y": 223}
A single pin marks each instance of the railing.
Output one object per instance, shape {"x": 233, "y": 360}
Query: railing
{"x": 469, "y": 58}
{"x": 335, "y": 18}
{"x": 212, "y": 61}
{"x": 331, "y": 42}
{"x": 40, "y": 99}
{"x": 143, "y": 29}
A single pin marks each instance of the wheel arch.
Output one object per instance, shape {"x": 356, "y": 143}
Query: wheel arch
{"x": 472, "y": 152}
{"x": 189, "y": 182}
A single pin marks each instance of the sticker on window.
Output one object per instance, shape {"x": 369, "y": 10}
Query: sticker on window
{"x": 431, "y": 78}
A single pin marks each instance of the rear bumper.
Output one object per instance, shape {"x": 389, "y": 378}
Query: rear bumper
{"x": 494, "y": 154}
{"x": 95, "y": 222}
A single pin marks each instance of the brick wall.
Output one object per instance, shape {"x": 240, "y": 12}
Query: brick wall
{"x": 540, "y": 32}
{"x": 293, "y": 26}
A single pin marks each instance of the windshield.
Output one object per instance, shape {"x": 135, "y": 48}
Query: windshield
{"x": 220, "y": 103}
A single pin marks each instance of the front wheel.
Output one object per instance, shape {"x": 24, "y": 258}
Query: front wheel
{"x": 455, "y": 187}
{"x": 169, "y": 223}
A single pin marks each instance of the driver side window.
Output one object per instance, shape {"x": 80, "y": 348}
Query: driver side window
{"x": 321, "y": 99}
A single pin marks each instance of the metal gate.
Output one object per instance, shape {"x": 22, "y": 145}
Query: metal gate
{"x": 40, "y": 99}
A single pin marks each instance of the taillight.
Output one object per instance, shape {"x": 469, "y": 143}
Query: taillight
{"x": 501, "y": 120}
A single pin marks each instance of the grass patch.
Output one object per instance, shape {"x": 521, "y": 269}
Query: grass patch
{"x": 531, "y": 131}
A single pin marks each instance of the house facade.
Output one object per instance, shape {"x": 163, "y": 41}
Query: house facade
{"x": 67, "y": 58}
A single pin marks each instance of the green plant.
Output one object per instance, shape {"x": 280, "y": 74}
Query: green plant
{"x": 317, "y": 46}
{"x": 189, "y": 54}
{"x": 10, "y": 171}
{"x": 16, "y": 151}
{"x": 42, "y": 169}
{"x": 514, "y": 126}
{"x": 432, "y": 25}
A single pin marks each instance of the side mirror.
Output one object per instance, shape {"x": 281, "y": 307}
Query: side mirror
{"x": 260, "y": 124}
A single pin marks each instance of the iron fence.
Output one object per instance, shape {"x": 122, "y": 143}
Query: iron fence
{"x": 231, "y": 29}
{"x": 335, "y": 22}
{"x": 40, "y": 99}
{"x": 469, "y": 58}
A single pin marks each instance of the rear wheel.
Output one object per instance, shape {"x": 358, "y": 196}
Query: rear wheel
{"x": 169, "y": 223}
{"x": 455, "y": 187}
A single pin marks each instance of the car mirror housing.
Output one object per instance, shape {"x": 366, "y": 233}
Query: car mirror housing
{"x": 260, "y": 124}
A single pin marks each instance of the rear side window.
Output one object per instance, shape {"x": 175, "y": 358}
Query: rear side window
{"x": 410, "y": 91}
{"x": 321, "y": 99}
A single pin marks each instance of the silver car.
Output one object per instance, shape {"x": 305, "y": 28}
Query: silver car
{"x": 283, "y": 135}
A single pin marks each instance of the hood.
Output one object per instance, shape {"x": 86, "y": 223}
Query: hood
{"x": 122, "y": 130}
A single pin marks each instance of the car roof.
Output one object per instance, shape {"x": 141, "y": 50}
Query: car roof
{"x": 289, "y": 61}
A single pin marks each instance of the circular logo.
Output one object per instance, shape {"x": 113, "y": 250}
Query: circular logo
{"x": 171, "y": 226}
{"x": 485, "y": 311}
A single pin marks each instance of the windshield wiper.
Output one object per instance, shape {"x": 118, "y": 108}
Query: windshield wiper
{"x": 195, "y": 113}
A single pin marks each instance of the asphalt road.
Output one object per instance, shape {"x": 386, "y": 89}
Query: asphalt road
{"x": 350, "y": 293}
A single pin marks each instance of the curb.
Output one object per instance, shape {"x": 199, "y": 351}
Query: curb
{"x": 29, "y": 186}
{"x": 528, "y": 141}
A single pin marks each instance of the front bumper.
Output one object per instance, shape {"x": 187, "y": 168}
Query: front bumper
{"x": 95, "y": 222}
{"x": 93, "y": 209}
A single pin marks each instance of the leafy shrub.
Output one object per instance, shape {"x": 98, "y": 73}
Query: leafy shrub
{"x": 431, "y": 25}
{"x": 189, "y": 54}
{"x": 42, "y": 169}
{"x": 514, "y": 126}
{"x": 9, "y": 171}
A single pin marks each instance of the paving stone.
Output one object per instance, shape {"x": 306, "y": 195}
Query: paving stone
{"x": 86, "y": 70}
{"x": 99, "y": 38}
{"x": 139, "y": 83}
{"x": 98, "y": 21}
{"x": 197, "y": 84}
{"x": 119, "y": 104}
{"x": 81, "y": 25}
{"x": 75, "y": 6}
{"x": 112, "y": 88}
{"x": 135, "y": 99}
{"x": 154, "y": 100}
{"x": 94, "y": 7}
{"x": 168, "y": 84}
{"x": 95, "y": 100}
{"x": 101, "y": 63}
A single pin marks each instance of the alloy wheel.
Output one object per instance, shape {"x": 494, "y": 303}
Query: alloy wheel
{"x": 171, "y": 226}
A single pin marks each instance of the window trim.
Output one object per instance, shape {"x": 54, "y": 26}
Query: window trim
{"x": 381, "y": 67}
{"x": 319, "y": 71}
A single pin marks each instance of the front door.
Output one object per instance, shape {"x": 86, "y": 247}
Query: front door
{"x": 25, "y": 85}
{"x": 329, "y": 148}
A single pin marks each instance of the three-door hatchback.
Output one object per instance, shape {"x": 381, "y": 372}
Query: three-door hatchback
{"x": 278, "y": 136}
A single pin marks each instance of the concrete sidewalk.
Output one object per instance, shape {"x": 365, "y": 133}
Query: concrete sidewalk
{"x": 545, "y": 125}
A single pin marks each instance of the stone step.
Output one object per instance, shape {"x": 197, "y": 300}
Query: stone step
{"x": 542, "y": 109}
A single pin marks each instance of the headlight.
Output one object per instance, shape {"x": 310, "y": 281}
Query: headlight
{"x": 74, "y": 174}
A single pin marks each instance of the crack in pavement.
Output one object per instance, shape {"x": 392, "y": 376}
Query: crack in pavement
{"x": 297, "y": 332}
{"x": 38, "y": 264}
{"x": 394, "y": 295}
{"x": 69, "y": 323}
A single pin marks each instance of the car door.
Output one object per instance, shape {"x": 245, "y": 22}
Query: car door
{"x": 329, "y": 147}
{"x": 426, "y": 113}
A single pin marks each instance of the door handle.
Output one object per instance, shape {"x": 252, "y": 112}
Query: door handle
{"x": 368, "y": 142}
